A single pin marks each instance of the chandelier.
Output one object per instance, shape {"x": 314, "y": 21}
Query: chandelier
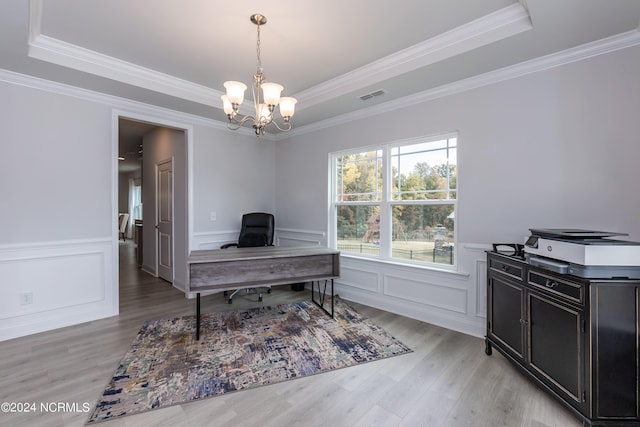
{"x": 266, "y": 96}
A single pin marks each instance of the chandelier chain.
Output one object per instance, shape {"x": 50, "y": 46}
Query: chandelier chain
{"x": 258, "y": 52}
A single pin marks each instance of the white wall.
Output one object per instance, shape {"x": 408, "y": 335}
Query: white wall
{"x": 234, "y": 175}
{"x": 52, "y": 162}
{"x": 553, "y": 149}
{"x": 58, "y": 178}
{"x": 56, "y": 226}
{"x": 558, "y": 148}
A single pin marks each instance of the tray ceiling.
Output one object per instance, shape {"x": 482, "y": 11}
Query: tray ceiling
{"x": 177, "y": 54}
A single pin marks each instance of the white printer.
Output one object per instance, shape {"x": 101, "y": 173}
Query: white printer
{"x": 583, "y": 253}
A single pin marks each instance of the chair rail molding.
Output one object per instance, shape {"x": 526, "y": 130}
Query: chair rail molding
{"x": 212, "y": 239}
{"x": 297, "y": 237}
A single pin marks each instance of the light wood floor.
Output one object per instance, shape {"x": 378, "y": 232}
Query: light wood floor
{"x": 446, "y": 381}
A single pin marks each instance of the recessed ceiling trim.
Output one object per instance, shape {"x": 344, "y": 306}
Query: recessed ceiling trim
{"x": 72, "y": 56}
{"x": 35, "y": 18}
{"x": 578, "y": 53}
{"x": 69, "y": 55}
{"x": 112, "y": 101}
{"x": 499, "y": 25}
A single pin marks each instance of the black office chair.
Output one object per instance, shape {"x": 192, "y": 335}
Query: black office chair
{"x": 257, "y": 230}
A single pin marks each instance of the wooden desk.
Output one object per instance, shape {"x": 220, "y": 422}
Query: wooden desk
{"x": 237, "y": 268}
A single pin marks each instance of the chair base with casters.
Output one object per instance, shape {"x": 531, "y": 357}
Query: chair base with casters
{"x": 257, "y": 230}
{"x": 247, "y": 291}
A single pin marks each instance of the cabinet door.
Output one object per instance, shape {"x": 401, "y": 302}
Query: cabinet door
{"x": 556, "y": 346}
{"x": 505, "y": 311}
{"x": 616, "y": 328}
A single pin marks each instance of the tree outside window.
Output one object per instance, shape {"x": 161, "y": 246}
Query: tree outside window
{"x": 405, "y": 211}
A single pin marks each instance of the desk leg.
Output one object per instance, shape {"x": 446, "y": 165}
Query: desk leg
{"x": 322, "y": 296}
{"x": 198, "y": 317}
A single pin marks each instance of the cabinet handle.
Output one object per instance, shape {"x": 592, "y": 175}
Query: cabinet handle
{"x": 550, "y": 284}
{"x": 505, "y": 268}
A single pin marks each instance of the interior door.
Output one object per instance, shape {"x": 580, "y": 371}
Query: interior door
{"x": 164, "y": 199}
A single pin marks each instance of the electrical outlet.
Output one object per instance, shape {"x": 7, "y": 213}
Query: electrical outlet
{"x": 26, "y": 298}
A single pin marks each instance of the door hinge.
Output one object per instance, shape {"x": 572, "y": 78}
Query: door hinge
{"x": 584, "y": 325}
{"x": 584, "y": 396}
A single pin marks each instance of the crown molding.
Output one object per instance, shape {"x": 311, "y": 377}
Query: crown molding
{"x": 579, "y": 53}
{"x": 101, "y": 98}
{"x": 68, "y": 55}
{"x": 116, "y": 102}
{"x": 501, "y": 24}
{"x": 488, "y": 29}
{"x": 610, "y": 44}
{"x": 496, "y": 26}
{"x": 72, "y": 56}
{"x": 35, "y": 18}
{"x": 600, "y": 47}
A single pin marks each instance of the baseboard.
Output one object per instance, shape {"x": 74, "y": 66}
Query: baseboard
{"x": 423, "y": 314}
{"x": 149, "y": 270}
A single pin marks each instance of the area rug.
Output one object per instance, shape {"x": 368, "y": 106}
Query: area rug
{"x": 238, "y": 350}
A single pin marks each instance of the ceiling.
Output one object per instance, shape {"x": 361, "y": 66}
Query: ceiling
{"x": 178, "y": 54}
{"x": 130, "y": 135}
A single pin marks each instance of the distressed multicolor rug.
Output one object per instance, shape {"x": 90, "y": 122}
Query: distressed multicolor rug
{"x": 238, "y": 350}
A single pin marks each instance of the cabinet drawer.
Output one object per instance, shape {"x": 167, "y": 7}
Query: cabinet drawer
{"x": 571, "y": 291}
{"x": 511, "y": 269}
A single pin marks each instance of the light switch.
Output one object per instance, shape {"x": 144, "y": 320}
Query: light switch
{"x": 212, "y": 216}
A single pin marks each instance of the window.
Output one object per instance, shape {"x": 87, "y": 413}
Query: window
{"x": 135, "y": 204}
{"x": 397, "y": 201}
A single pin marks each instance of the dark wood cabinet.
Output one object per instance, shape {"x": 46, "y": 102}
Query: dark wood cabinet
{"x": 576, "y": 338}
{"x": 138, "y": 240}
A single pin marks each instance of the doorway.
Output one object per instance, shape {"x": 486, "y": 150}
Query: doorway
{"x": 164, "y": 185}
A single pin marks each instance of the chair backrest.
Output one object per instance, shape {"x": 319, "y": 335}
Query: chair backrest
{"x": 123, "y": 221}
{"x": 257, "y": 230}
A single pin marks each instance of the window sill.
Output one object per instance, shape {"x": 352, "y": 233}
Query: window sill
{"x": 397, "y": 263}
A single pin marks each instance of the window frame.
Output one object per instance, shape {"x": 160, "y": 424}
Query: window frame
{"x": 387, "y": 201}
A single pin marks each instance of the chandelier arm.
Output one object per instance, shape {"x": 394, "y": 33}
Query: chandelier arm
{"x": 233, "y": 126}
{"x": 242, "y": 120}
{"x": 286, "y": 126}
